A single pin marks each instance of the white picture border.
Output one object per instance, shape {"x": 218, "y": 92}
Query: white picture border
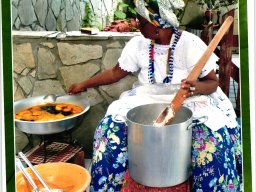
{"x": 2, "y": 132}
{"x": 252, "y": 81}
{"x": 251, "y": 8}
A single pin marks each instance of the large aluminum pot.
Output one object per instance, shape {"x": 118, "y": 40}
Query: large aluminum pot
{"x": 159, "y": 156}
{"x": 54, "y": 126}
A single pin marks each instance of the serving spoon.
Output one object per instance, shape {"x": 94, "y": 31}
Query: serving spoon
{"x": 166, "y": 115}
{"x": 51, "y": 98}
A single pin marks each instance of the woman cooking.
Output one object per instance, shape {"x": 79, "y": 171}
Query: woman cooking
{"x": 166, "y": 55}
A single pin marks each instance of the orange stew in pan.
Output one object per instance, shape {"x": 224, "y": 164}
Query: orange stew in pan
{"x": 47, "y": 112}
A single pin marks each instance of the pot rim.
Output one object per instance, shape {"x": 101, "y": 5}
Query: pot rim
{"x": 86, "y": 108}
{"x": 52, "y": 121}
{"x": 165, "y": 126}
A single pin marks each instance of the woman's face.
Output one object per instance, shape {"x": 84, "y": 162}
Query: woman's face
{"x": 147, "y": 29}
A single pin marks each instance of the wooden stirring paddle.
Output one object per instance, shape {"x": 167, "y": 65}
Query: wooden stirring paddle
{"x": 166, "y": 116}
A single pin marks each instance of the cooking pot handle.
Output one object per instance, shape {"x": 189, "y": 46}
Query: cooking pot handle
{"x": 117, "y": 118}
{"x": 200, "y": 120}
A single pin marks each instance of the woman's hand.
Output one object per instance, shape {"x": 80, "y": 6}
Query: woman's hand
{"x": 203, "y": 86}
{"x": 76, "y": 88}
{"x": 191, "y": 86}
{"x": 106, "y": 77}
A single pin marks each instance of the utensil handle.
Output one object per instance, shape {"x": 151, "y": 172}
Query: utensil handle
{"x": 204, "y": 119}
{"x": 34, "y": 170}
{"x": 62, "y": 94}
{"x": 194, "y": 74}
{"x": 117, "y": 118}
{"x": 25, "y": 173}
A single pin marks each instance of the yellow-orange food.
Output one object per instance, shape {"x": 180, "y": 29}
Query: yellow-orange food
{"x": 48, "y": 112}
{"x": 66, "y": 176}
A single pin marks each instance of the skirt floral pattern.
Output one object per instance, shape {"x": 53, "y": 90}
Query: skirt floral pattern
{"x": 110, "y": 157}
{"x": 216, "y": 158}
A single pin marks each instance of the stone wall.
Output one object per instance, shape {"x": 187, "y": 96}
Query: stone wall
{"x": 47, "y": 15}
{"x": 44, "y": 64}
{"x": 59, "y": 15}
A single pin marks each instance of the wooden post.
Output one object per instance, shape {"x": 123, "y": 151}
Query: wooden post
{"x": 225, "y": 57}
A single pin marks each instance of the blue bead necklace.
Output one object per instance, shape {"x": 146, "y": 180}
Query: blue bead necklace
{"x": 170, "y": 60}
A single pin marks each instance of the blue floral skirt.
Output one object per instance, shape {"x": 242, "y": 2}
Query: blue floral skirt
{"x": 216, "y": 158}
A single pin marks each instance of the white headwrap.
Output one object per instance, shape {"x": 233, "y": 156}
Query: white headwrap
{"x": 165, "y": 16}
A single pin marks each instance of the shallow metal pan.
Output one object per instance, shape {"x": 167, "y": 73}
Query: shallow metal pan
{"x": 54, "y": 126}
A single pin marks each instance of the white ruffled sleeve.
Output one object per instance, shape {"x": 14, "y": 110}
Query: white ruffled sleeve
{"x": 128, "y": 60}
{"x": 196, "y": 48}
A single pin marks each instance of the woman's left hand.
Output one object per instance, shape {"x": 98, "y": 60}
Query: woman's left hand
{"x": 191, "y": 86}
{"x": 204, "y": 86}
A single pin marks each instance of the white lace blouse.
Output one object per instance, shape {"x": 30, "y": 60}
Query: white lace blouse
{"x": 135, "y": 58}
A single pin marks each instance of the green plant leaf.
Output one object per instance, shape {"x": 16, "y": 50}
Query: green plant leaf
{"x": 132, "y": 10}
{"x": 122, "y": 5}
{"x": 89, "y": 17}
{"x": 120, "y": 15}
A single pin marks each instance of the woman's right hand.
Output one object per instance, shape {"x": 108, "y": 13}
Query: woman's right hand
{"x": 106, "y": 77}
{"x": 76, "y": 88}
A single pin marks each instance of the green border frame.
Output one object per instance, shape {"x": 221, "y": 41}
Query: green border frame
{"x": 245, "y": 100}
{"x": 8, "y": 94}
